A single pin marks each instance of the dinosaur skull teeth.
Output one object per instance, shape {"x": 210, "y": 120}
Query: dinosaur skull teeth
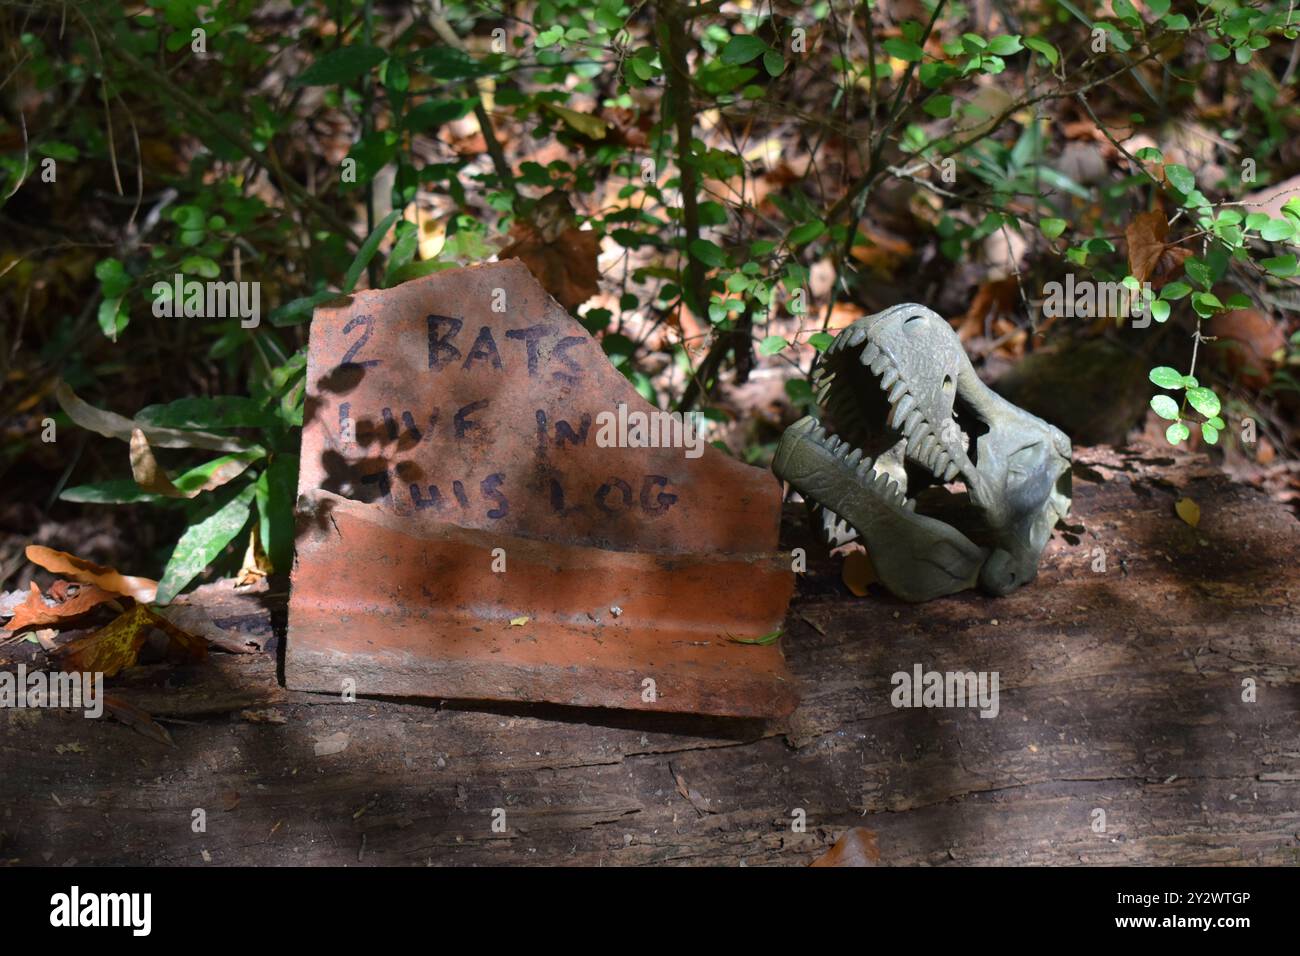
{"x": 905, "y": 404}
{"x": 901, "y": 392}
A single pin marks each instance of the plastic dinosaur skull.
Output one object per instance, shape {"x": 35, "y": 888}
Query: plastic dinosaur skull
{"x": 910, "y": 415}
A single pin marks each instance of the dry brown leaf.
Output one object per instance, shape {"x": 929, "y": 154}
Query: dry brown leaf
{"x": 87, "y": 572}
{"x": 856, "y": 847}
{"x": 857, "y": 572}
{"x": 112, "y": 425}
{"x": 117, "y": 645}
{"x": 137, "y": 719}
{"x": 1150, "y": 257}
{"x": 36, "y": 613}
{"x": 194, "y": 619}
{"x": 566, "y": 267}
{"x": 992, "y": 299}
{"x": 148, "y": 474}
{"x": 882, "y": 253}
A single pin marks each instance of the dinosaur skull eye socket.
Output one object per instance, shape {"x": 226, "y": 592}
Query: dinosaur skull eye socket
{"x": 948, "y": 385}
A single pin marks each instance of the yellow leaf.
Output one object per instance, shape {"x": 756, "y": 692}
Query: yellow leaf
{"x": 1189, "y": 511}
{"x": 117, "y": 645}
{"x": 592, "y": 127}
{"x": 857, "y": 572}
{"x": 518, "y": 621}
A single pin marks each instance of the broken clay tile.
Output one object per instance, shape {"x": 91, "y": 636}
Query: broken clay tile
{"x": 455, "y": 479}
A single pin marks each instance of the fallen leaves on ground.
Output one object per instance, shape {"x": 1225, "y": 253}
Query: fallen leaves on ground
{"x": 194, "y": 619}
{"x": 87, "y": 572}
{"x": 1188, "y": 510}
{"x": 137, "y": 719}
{"x": 857, "y": 847}
{"x": 333, "y": 744}
{"x": 857, "y": 572}
{"x": 1248, "y": 343}
{"x": 763, "y": 640}
{"x": 35, "y": 613}
{"x": 117, "y": 645}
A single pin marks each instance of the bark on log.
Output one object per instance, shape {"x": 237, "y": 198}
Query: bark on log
{"x": 1120, "y": 690}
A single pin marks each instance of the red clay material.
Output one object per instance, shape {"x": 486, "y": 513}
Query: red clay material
{"x": 463, "y": 533}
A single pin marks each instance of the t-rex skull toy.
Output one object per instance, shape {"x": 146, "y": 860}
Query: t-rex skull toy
{"x": 910, "y": 414}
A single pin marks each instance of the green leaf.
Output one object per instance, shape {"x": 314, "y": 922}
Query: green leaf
{"x": 435, "y": 113}
{"x": 449, "y": 63}
{"x": 1204, "y": 401}
{"x": 806, "y": 233}
{"x": 798, "y": 390}
{"x": 203, "y": 542}
{"x": 774, "y": 63}
{"x": 277, "y": 489}
{"x": 341, "y": 66}
{"x": 904, "y": 49}
{"x": 592, "y": 127}
{"x": 202, "y": 414}
{"x": 1165, "y": 407}
{"x": 772, "y": 344}
{"x": 124, "y": 492}
{"x": 939, "y": 106}
{"x": 1160, "y": 310}
{"x": 1175, "y": 291}
{"x": 821, "y": 341}
{"x": 1176, "y": 433}
{"x": 112, "y": 317}
{"x": 1282, "y": 266}
{"x": 708, "y": 253}
{"x": 200, "y": 266}
{"x": 1005, "y": 45}
{"x": 113, "y": 279}
{"x": 741, "y": 49}
{"x": 1181, "y": 178}
{"x": 1052, "y": 228}
{"x": 368, "y": 250}
{"x": 1166, "y": 377}
{"x": 1209, "y": 433}
{"x": 1045, "y": 48}
{"x": 1205, "y": 304}
{"x": 1277, "y": 230}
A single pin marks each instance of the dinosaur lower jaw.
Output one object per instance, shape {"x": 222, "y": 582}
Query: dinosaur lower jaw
{"x": 933, "y": 441}
{"x": 916, "y": 557}
{"x": 835, "y": 475}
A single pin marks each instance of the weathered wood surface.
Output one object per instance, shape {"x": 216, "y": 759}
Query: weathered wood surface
{"x": 1119, "y": 690}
